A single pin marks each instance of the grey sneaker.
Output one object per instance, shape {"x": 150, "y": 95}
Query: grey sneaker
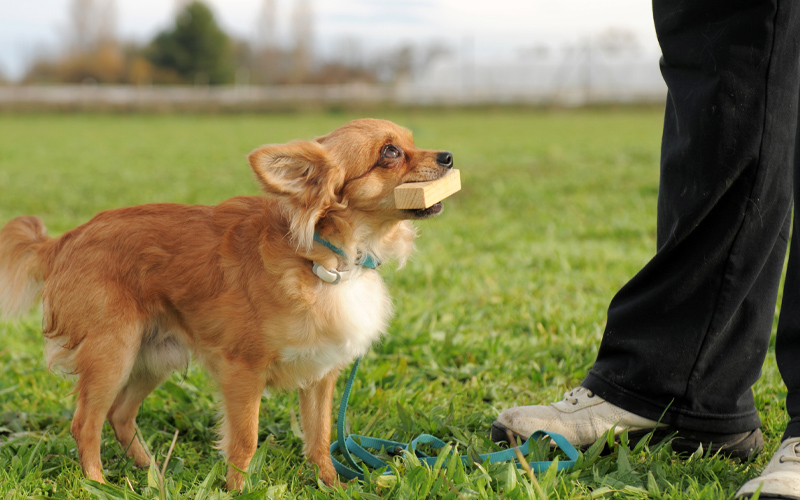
{"x": 781, "y": 476}
{"x": 582, "y": 418}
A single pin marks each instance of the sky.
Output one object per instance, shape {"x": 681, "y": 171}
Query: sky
{"x": 493, "y": 29}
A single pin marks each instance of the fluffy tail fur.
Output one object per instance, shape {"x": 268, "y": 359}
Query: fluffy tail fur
{"x": 22, "y": 270}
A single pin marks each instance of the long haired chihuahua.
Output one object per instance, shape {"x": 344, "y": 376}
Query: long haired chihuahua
{"x": 278, "y": 291}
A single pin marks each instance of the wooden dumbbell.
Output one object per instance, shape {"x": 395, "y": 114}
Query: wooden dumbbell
{"x": 412, "y": 195}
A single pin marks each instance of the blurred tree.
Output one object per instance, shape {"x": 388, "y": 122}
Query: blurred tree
{"x": 266, "y": 60}
{"x": 408, "y": 60}
{"x": 617, "y": 41}
{"x": 538, "y": 51}
{"x": 107, "y": 23}
{"x": 81, "y": 29}
{"x": 303, "y": 35}
{"x": 196, "y": 49}
{"x": 346, "y": 64}
{"x": 91, "y": 53}
{"x": 267, "y": 26}
{"x": 91, "y": 23}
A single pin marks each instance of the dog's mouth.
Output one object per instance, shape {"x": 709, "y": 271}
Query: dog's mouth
{"x": 424, "y": 213}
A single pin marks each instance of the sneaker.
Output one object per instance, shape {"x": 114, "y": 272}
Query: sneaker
{"x": 582, "y": 418}
{"x": 781, "y": 476}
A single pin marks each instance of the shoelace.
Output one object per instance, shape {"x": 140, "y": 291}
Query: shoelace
{"x": 794, "y": 457}
{"x": 573, "y": 395}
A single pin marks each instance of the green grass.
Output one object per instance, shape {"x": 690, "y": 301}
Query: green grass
{"x": 504, "y": 303}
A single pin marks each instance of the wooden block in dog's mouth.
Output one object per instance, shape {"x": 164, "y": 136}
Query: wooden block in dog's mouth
{"x": 415, "y": 195}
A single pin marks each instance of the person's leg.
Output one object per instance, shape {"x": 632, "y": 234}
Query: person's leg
{"x": 689, "y": 333}
{"x": 781, "y": 477}
{"x": 787, "y": 345}
{"x": 686, "y": 337}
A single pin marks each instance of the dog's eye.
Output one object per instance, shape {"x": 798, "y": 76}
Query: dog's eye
{"x": 390, "y": 151}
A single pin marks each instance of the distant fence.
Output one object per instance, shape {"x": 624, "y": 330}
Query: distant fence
{"x": 258, "y": 98}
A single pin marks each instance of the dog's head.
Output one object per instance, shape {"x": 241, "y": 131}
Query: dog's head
{"x": 356, "y": 167}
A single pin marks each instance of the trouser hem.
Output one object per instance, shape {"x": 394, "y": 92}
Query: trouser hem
{"x": 669, "y": 413}
{"x": 792, "y": 430}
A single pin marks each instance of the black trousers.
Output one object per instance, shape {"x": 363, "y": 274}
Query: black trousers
{"x": 689, "y": 333}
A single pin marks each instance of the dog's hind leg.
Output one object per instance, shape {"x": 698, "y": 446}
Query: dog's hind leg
{"x": 242, "y": 386}
{"x": 104, "y": 365}
{"x": 160, "y": 354}
{"x": 316, "y": 401}
{"x": 122, "y": 415}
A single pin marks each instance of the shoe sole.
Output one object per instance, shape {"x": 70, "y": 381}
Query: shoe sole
{"x": 741, "y": 446}
{"x": 768, "y": 497}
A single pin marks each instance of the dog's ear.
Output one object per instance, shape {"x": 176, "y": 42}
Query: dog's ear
{"x": 287, "y": 169}
{"x": 304, "y": 176}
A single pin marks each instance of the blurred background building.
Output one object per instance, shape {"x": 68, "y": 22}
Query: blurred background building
{"x": 254, "y": 54}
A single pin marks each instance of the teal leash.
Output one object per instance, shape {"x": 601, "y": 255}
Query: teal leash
{"x": 366, "y": 260}
{"x": 350, "y": 445}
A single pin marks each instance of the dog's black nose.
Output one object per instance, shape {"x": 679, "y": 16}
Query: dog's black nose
{"x": 445, "y": 159}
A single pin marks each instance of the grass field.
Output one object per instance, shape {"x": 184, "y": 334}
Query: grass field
{"x": 503, "y": 304}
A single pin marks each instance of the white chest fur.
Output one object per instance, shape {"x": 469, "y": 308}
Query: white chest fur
{"x": 345, "y": 321}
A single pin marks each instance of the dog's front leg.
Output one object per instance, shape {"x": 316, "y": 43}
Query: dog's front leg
{"x": 315, "y": 414}
{"x": 241, "y": 387}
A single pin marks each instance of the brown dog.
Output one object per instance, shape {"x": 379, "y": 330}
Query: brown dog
{"x": 252, "y": 288}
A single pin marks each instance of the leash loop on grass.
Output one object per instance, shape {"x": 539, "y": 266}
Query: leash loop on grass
{"x": 354, "y": 445}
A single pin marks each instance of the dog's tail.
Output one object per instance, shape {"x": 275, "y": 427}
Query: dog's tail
{"x": 24, "y": 265}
